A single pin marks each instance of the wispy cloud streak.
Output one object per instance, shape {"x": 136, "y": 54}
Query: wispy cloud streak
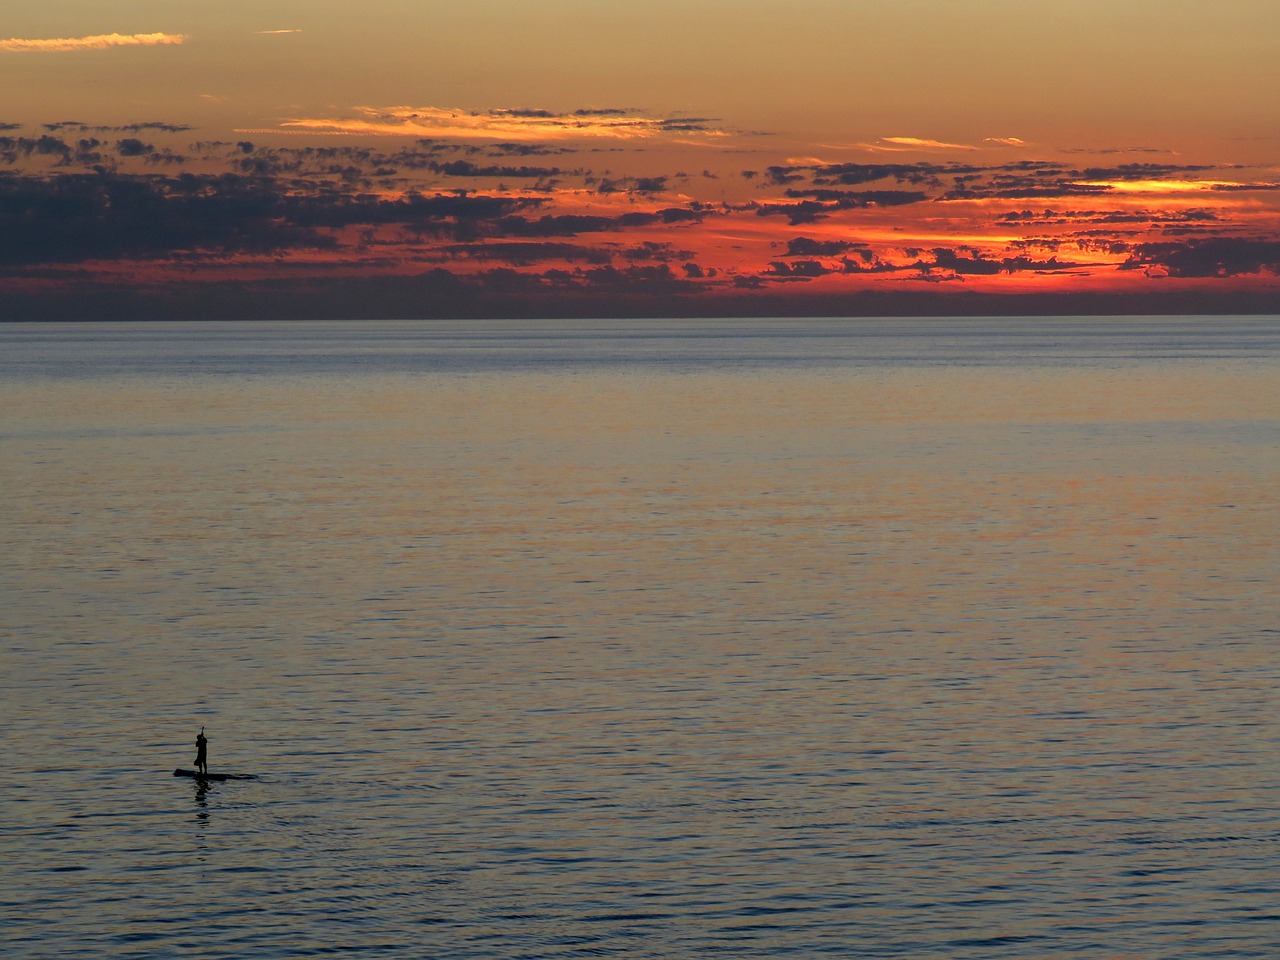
{"x": 925, "y": 144}
{"x": 102, "y": 41}
{"x": 503, "y": 124}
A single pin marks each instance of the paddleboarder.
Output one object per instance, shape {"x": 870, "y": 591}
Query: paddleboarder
{"x": 202, "y": 745}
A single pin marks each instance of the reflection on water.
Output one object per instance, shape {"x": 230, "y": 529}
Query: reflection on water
{"x": 202, "y": 802}
{"x": 884, "y": 640}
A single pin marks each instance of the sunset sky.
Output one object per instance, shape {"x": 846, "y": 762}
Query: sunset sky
{"x": 416, "y": 158}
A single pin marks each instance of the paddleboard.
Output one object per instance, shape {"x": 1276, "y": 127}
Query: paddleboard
{"x": 197, "y": 775}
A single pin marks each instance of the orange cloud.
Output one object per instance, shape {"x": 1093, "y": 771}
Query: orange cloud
{"x": 1171, "y": 186}
{"x": 909, "y": 145}
{"x": 98, "y": 42}
{"x": 502, "y": 124}
{"x": 925, "y": 144}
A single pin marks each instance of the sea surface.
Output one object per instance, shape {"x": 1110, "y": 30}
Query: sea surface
{"x": 748, "y": 639}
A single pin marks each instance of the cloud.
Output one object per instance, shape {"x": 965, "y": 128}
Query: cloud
{"x": 106, "y": 216}
{"x": 657, "y": 278}
{"x": 102, "y": 41}
{"x": 120, "y": 128}
{"x": 274, "y": 33}
{"x": 465, "y": 168}
{"x": 1115, "y": 150}
{"x": 13, "y": 149}
{"x": 1169, "y": 186}
{"x": 1141, "y": 171}
{"x": 133, "y": 147}
{"x": 524, "y": 150}
{"x": 78, "y": 217}
{"x": 800, "y": 269}
{"x": 808, "y": 247}
{"x": 660, "y": 252}
{"x": 641, "y": 185}
{"x": 826, "y": 202}
{"x": 1229, "y": 187}
{"x": 520, "y": 254}
{"x": 1025, "y": 188}
{"x": 152, "y": 125}
{"x": 851, "y": 174}
{"x": 847, "y": 199}
{"x": 1073, "y": 217}
{"x": 502, "y": 124}
{"x": 570, "y": 224}
{"x": 917, "y": 143}
{"x": 1006, "y": 141}
{"x": 941, "y": 263}
{"x": 1213, "y": 257}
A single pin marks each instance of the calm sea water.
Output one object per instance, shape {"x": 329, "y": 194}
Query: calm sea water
{"x": 911, "y": 639}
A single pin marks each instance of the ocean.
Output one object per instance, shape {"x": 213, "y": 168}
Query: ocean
{"x": 948, "y": 638}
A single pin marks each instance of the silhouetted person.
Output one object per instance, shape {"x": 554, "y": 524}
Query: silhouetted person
{"x": 202, "y": 760}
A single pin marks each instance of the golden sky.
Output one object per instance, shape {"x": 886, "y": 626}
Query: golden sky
{"x": 833, "y": 146}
